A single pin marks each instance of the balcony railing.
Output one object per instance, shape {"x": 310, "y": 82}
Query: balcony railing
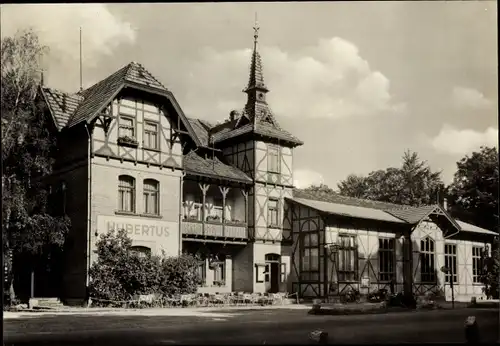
{"x": 215, "y": 229}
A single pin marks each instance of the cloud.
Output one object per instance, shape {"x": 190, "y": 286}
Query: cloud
{"x": 469, "y": 98}
{"x": 460, "y": 142}
{"x": 303, "y": 178}
{"x": 329, "y": 80}
{"x": 58, "y": 27}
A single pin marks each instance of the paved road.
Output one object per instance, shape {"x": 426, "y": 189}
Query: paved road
{"x": 247, "y": 327}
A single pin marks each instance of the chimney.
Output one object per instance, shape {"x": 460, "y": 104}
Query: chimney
{"x": 445, "y": 204}
{"x": 233, "y": 115}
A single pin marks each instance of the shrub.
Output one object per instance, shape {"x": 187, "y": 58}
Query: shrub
{"x": 491, "y": 273}
{"x": 120, "y": 274}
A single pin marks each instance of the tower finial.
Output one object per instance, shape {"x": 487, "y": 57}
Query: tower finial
{"x": 256, "y": 32}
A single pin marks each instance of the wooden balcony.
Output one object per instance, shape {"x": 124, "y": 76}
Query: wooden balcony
{"x": 214, "y": 230}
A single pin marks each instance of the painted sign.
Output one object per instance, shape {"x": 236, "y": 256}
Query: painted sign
{"x": 164, "y": 233}
{"x": 139, "y": 228}
{"x": 365, "y": 282}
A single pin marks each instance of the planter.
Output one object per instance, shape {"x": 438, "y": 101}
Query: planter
{"x": 128, "y": 142}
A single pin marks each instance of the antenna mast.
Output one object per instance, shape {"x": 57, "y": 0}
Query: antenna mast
{"x": 81, "y": 74}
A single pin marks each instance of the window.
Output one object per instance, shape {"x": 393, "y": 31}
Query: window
{"x": 260, "y": 272}
{"x": 151, "y": 197}
{"x": 427, "y": 261}
{"x": 126, "y": 194}
{"x": 386, "y": 256}
{"x": 450, "y": 262}
{"x": 273, "y": 159}
{"x": 283, "y": 272}
{"x": 219, "y": 272}
{"x": 267, "y": 272}
{"x": 151, "y": 135}
{"x": 127, "y": 128}
{"x": 201, "y": 271}
{"x": 347, "y": 258}
{"x": 310, "y": 256}
{"x": 272, "y": 212}
{"x": 141, "y": 251}
{"x": 477, "y": 263}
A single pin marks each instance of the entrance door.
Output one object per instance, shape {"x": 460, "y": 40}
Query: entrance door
{"x": 273, "y": 263}
{"x": 275, "y": 276}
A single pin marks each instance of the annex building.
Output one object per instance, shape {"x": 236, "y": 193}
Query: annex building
{"x": 129, "y": 158}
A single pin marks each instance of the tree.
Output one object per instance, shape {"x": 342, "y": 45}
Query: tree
{"x": 491, "y": 273}
{"x": 319, "y": 188}
{"x": 473, "y": 194}
{"x": 27, "y": 148}
{"x": 353, "y": 186}
{"x": 414, "y": 183}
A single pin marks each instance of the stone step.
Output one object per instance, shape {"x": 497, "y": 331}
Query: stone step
{"x": 46, "y": 302}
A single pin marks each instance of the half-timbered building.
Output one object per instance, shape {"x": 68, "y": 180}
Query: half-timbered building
{"x": 342, "y": 243}
{"x": 129, "y": 158}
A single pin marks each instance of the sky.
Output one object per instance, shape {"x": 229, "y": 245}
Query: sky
{"x": 359, "y": 82}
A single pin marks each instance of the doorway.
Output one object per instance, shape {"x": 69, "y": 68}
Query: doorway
{"x": 273, "y": 262}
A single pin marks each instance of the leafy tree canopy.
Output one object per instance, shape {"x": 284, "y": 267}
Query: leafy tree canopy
{"x": 414, "y": 183}
{"x": 27, "y": 147}
{"x": 473, "y": 194}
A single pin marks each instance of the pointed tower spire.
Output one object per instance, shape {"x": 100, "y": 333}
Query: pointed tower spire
{"x": 256, "y": 79}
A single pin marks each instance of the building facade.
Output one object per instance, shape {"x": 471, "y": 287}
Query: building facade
{"x": 130, "y": 159}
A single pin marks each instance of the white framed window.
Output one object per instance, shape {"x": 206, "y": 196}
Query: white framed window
{"x": 273, "y": 159}
{"x": 427, "y": 261}
{"x": 347, "y": 258}
{"x": 151, "y": 197}
{"x": 126, "y": 193}
{"x": 450, "y": 262}
{"x": 386, "y": 256}
{"x": 272, "y": 212}
{"x": 477, "y": 263}
{"x": 126, "y": 127}
{"x": 151, "y": 138}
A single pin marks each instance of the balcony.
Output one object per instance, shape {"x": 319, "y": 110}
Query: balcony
{"x": 214, "y": 225}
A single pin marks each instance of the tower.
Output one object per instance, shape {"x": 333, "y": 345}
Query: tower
{"x": 255, "y": 143}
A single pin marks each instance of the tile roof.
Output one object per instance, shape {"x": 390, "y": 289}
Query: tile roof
{"x": 99, "y": 93}
{"x": 349, "y": 210}
{"x": 201, "y": 129}
{"x": 467, "y": 227}
{"x": 336, "y": 198}
{"x": 260, "y": 129}
{"x": 412, "y": 214}
{"x": 62, "y": 105}
{"x": 408, "y": 214}
{"x": 213, "y": 168}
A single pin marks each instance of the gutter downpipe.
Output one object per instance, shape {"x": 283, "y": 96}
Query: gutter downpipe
{"x": 89, "y": 209}
{"x": 181, "y": 193}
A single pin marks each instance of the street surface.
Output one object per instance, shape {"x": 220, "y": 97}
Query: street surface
{"x": 252, "y": 326}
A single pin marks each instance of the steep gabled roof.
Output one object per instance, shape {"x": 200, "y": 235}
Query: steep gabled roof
{"x": 97, "y": 95}
{"x": 86, "y": 105}
{"x": 61, "y": 105}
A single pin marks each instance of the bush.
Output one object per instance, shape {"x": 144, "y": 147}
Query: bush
{"x": 491, "y": 273}
{"x": 120, "y": 274}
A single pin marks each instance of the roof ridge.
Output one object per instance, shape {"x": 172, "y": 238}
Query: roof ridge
{"x": 144, "y": 69}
